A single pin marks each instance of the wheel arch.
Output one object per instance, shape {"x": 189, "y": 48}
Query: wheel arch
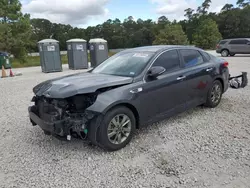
{"x": 130, "y": 107}
{"x": 221, "y": 81}
{"x": 226, "y": 50}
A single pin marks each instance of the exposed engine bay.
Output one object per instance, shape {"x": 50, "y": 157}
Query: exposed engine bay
{"x": 68, "y": 116}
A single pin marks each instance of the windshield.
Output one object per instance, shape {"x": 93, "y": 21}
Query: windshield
{"x": 128, "y": 64}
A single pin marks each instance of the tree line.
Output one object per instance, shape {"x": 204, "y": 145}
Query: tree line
{"x": 19, "y": 34}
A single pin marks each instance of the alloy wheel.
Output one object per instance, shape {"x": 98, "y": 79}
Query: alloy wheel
{"x": 119, "y": 129}
{"x": 216, "y": 94}
{"x": 224, "y": 53}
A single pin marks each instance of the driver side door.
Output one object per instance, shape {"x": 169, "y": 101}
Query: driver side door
{"x": 165, "y": 95}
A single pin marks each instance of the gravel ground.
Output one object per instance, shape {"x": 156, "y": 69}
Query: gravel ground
{"x": 199, "y": 148}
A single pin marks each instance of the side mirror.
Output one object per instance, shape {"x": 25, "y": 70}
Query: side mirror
{"x": 156, "y": 71}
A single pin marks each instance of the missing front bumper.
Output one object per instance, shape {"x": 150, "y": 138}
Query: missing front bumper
{"x": 61, "y": 129}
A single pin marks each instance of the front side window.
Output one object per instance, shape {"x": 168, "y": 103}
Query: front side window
{"x": 191, "y": 57}
{"x": 128, "y": 64}
{"x": 169, "y": 60}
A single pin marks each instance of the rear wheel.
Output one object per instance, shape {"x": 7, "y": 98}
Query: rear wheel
{"x": 224, "y": 53}
{"x": 214, "y": 94}
{"x": 116, "y": 129}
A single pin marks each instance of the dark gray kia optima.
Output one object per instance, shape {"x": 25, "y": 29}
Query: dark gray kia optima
{"x": 133, "y": 88}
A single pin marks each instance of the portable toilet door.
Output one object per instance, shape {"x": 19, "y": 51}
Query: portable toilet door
{"x": 77, "y": 54}
{"x": 50, "y": 55}
{"x": 98, "y": 51}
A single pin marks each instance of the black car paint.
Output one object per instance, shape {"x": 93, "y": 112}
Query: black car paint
{"x": 165, "y": 96}
{"x": 78, "y": 84}
{"x": 151, "y": 100}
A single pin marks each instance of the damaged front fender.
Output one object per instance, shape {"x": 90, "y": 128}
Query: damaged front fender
{"x": 109, "y": 99}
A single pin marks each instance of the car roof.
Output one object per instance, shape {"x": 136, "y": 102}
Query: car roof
{"x": 236, "y": 39}
{"x": 158, "y": 48}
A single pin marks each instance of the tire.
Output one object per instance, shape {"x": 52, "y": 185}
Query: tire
{"x": 224, "y": 53}
{"x": 211, "y": 102}
{"x": 107, "y": 142}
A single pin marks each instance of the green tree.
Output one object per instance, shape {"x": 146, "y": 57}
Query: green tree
{"x": 42, "y": 29}
{"x": 189, "y": 13}
{"x": 161, "y": 23}
{"x": 61, "y": 32}
{"x": 244, "y": 26}
{"x": 203, "y": 9}
{"x": 229, "y": 22}
{"x": 207, "y": 34}
{"x": 15, "y": 29}
{"x": 243, "y": 3}
{"x": 227, "y": 7}
{"x": 171, "y": 35}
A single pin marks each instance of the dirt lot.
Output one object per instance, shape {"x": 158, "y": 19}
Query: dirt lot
{"x": 199, "y": 148}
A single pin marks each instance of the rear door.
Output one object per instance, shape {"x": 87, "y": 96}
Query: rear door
{"x": 239, "y": 46}
{"x": 199, "y": 75}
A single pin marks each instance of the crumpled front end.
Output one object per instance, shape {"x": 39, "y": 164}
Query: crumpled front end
{"x": 62, "y": 118}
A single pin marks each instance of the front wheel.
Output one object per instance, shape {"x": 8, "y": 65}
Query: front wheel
{"x": 116, "y": 129}
{"x": 214, "y": 94}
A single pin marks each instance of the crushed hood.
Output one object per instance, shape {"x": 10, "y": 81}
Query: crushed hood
{"x": 80, "y": 83}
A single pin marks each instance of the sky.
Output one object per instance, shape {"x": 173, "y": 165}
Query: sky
{"x": 84, "y": 13}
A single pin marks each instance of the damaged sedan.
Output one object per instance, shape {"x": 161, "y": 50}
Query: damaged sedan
{"x": 131, "y": 89}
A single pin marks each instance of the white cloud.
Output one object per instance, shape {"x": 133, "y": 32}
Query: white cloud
{"x": 174, "y": 9}
{"x": 75, "y": 12}
{"x": 216, "y": 6}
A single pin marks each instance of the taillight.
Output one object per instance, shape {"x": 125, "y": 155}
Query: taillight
{"x": 217, "y": 46}
{"x": 225, "y": 64}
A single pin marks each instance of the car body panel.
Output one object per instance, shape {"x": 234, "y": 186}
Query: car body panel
{"x": 198, "y": 83}
{"x": 234, "y": 48}
{"x": 78, "y": 84}
{"x": 153, "y": 99}
{"x": 239, "y": 48}
{"x": 164, "y": 96}
{"x": 161, "y": 96}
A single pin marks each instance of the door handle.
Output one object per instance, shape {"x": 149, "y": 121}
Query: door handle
{"x": 209, "y": 69}
{"x": 181, "y": 77}
{"x": 137, "y": 90}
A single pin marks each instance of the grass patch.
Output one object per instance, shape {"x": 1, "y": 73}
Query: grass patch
{"x": 35, "y": 61}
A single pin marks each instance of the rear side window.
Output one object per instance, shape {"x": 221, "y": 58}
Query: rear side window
{"x": 206, "y": 55}
{"x": 169, "y": 60}
{"x": 223, "y": 42}
{"x": 238, "y": 42}
{"x": 191, "y": 57}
